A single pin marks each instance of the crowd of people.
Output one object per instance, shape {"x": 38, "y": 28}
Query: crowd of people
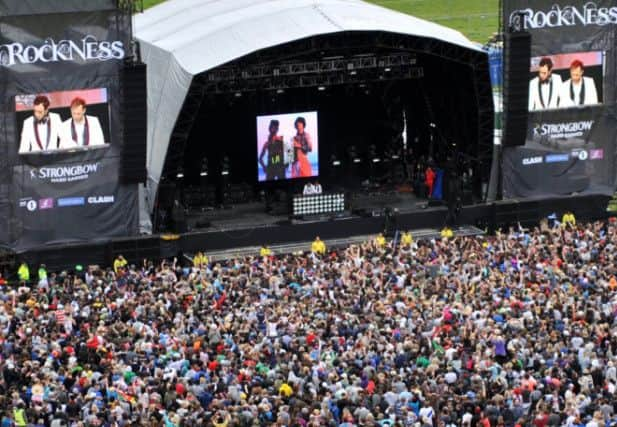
{"x": 515, "y": 329}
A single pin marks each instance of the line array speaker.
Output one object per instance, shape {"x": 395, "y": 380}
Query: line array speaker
{"x": 134, "y": 117}
{"x": 517, "y": 57}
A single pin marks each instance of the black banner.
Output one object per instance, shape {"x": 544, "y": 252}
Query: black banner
{"x": 61, "y": 134}
{"x": 570, "y": 144}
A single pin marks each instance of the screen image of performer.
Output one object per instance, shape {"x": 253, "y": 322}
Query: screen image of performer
{"x": 40, "y": 131}
{"x": 275, "y": 169}
{"x": 301, "y": 167}
{"x": 81, "y": 130}
{"x": 544, "y": 90}
{"x": 578, "y": 90}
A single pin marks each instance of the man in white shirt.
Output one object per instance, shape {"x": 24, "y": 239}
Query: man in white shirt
{"x": 544, "y": 90}
{"x": 578, "y": 90}
{"x": 40, "y": 132}
{"x": 81, "y": 130}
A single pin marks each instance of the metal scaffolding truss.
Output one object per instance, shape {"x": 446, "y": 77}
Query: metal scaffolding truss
{"x": 311, "y": 67}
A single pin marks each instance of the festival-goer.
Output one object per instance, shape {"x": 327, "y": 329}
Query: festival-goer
{"x": 516, "y": 329}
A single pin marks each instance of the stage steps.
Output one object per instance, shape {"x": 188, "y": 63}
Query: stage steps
{"x": 467, "y": 230}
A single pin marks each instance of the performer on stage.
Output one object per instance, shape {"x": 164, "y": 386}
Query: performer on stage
{"x": 578, "y": 90}
{"x": 81, "y": 130}
{"x": 40, "y": 131}
{"x": 301, "y": 167}
{"x": 544, "y": 90}
{"x": 275, "y": 169}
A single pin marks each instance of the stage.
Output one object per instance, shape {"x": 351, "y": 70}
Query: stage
{"x": 235, "y": 236}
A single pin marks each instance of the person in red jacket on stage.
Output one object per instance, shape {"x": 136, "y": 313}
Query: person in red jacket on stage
{"x": 429, "y": 180}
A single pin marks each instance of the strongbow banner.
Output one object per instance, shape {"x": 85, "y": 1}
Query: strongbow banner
{"x": 570, "y": 146}
{"x": 61, "y": 127}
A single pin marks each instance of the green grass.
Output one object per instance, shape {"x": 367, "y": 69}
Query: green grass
{"x": 477, "y": 19}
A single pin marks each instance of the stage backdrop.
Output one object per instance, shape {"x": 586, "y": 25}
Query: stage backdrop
{"x": 60, "y": 177}
{"x": 571, "y": 133}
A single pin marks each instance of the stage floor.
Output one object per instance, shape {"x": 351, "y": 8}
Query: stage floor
{"x": 254, "y": 215}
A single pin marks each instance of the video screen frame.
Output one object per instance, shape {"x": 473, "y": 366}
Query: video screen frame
{"x": 63, "y": 121}
{"x": 287, "y": 146}
{"x": 551, "y": 80}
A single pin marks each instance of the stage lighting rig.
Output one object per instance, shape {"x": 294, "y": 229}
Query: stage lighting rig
{"x": 180, "y": 173}
{"x": 318, "y": 204}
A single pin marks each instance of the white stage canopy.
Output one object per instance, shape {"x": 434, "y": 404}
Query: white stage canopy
{"x": 182, "y": 38}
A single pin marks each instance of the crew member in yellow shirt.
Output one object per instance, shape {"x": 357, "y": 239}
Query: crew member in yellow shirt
{"x": 265, "y": 251}
{"x": 568, "y": 219}
{"x": 406, "y": 239}
{"x": 447, "y": 233}
{"x": 200, "y": 260}
{"x": 119, "y": 263}
{"x": 318, "y": 247}
{"x": 380, "y": 240}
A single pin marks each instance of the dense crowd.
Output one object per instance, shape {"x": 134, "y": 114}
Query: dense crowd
{"x": 516, "y": 329}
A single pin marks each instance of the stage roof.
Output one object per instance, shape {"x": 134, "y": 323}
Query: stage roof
{"x": 181, "y": 38}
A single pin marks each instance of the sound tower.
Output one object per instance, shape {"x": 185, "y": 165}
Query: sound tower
{"x": 134, "y": 121}
{"x": 517, "y": 59}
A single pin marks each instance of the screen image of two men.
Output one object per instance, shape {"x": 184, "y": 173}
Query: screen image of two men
{"x": 548, "y": 90}
{"x": 45, "y": 131}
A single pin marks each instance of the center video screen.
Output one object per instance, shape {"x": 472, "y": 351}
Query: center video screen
{"x": 566, "y": 80}
{"x": 63, "y": 121}
{"x": 287, "y": 146}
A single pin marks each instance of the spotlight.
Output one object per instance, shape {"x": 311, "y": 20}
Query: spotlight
{"x": 321, "y": 88}
{"x": 204, "y": 167}
{"x": 180, "y": 173}
{"x": 334, "y": 160}
{"x": 238, "y": 94}
{"x": 387, "y": 70}
{"x": 279, "y": 91}
{"x": 225, "y": 166}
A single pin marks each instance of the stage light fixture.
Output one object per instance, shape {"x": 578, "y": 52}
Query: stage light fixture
{"x": 180, "y": 173}
{"x": 387, "y": 70}
{"x": 321, "y": 88}
{"x": 238, "y": 94}
{"x": 279, "y": 91}
{"x": 376, "y": 160}
{"x": 225, "y": 166}
{"x": 204, "y": 168}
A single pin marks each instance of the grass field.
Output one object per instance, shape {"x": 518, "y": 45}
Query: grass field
{"x": 477, "y": 19}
